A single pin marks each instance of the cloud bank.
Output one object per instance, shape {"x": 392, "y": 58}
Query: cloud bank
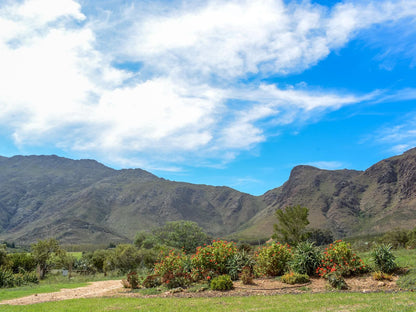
{"x": 170, "y": 83}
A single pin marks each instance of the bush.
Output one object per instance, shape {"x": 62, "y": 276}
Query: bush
{"x": 336, "y": 280}
{"x": 294, "y": 278}
{"x": 339, "y": 258}
{"x": 151, "y": 281}
{"x": 306, "y": 258}
{"x": 383, "y": 258}
{"x": 21, "y": 262}
{"x": 174, "y": 270}
{"x": 379, "y": 276}
{"x": 247, "y": 275}
{"x": 397, "y": 238}
{"x": 222, "y": 282}
{"x": 212, "y": 260}
{"x": 8, "y": 279}
{"x": 133, "y": 280}
{"x": 272, "y": 260}
{"x": 236, "y": 263}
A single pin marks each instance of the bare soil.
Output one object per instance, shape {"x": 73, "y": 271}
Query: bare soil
{"x": 260, "y": 287}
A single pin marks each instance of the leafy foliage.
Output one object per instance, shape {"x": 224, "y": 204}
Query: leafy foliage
{"x": 291, "y": 226}
{"x": 186, "y": 235}
{"x": 273, "y": 260}
{"x": 336, "y": 281}
{"x": 21, "y": 262}
{"x": 212, "y": 259}
{"x": 133, "y": 280}
{"x": 383, "y": 258}
{"x": 247, "y": 276}
{"x": 42, "y": 252}
{"x": 222, "y": 282}
{"x": 8, "y": 279}
{"x": 320, "y": 237}
{"x": 397, "y": 238}
{"x": 237, "y": 262}
{"x": 294, "y": 278}
{"x": 339, "y": 258}
{"x": 174, "y": 270}
{"x": 125, "y": 258}
{"x": 306, "y": 258}
{"x": 151, "y": 281}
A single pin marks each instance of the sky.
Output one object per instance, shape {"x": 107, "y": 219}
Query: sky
{"x": 217, "y": 92}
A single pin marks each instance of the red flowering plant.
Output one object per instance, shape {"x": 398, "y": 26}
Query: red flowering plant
{"x": 272, "y": 260}
{"x": 174, "y": 269}
{"x": 339, "y": 258}
{"x": 211, "y": 260}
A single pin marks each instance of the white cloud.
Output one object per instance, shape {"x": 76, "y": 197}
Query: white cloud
{"x": 187, "y": 102}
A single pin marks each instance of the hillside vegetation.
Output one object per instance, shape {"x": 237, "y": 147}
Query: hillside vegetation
{"x": 83, "y": 201}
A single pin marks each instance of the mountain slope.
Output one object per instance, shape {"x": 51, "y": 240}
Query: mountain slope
{"x": 83, "y": 201}
{"x": 348, "y": 202}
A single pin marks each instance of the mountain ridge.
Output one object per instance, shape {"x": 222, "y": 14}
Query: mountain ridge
{"x": 83, "y": 201}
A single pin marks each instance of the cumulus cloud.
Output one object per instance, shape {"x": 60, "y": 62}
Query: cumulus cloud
{"x": 188, "y": 99}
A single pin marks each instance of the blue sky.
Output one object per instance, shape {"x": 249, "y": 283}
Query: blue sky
{"x": 231, "y": 93}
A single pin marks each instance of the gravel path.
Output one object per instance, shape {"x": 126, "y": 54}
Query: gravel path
{"x": 94, "y": 289}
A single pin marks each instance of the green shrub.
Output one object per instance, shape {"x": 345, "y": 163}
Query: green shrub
{"x": 151, "y": 281}
{"x": 272, "y": 260}
{"x": 306, "y": 258}
{"x": 336, "y": 280}
{"x": 247, "y": 275}
{"x": 339, "y": 258}
{"x": 21, "y": 262}
{"x": 236, "y": 263}
{"x": 212, "y": 260}
{"x": 383, "y": 258}
{"x": 133, "y": 280}
{"x": 397, "y": 238}
{"x": 222, "y": 282}
{"x": 8, "y": 279}
{"x": 294, "y": 278}
{"x": 174, "y": 270}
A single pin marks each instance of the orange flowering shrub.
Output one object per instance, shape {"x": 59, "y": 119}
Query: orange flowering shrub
{"x": 173, "y": 270}
{"x": 211, "y": 260}
{"x": 339, "y": 258}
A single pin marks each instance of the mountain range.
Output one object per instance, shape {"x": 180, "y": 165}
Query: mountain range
{"x": 83, "y": 201}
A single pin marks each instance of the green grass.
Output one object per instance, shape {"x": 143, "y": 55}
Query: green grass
{"x": 304, "y": 302}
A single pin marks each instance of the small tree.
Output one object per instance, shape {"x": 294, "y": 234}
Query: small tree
{"x": 43, "y": 251}
{"x": 292, "y": 223}
{"x": 186, "y": 235}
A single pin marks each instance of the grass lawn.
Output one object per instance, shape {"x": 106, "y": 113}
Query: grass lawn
{"x": 380, "y": 302}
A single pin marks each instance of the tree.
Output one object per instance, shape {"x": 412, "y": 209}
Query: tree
{"x": 43, "y": 251}
{"x": 292, "y": 223}
{"x": 186, "y": 235}
{"x": 320, "y": 237}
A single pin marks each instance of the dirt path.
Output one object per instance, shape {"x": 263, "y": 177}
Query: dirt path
{"x": 94, "y": 289}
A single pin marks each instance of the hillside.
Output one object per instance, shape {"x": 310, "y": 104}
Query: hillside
{"x": 83, "y": 201}
{"x": 348, "y": 202}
